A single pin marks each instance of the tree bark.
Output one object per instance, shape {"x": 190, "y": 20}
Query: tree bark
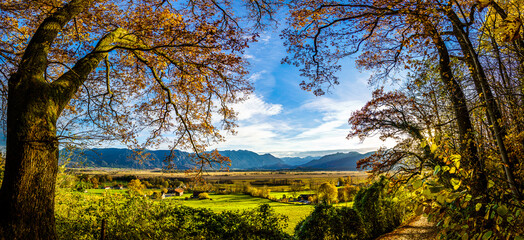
{"x": 493, "y": 112}
{"x": 34, "y": 105}
{"x": 28, "y": 189}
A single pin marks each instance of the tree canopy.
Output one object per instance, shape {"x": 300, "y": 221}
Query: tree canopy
{"x": 448, "y": 79}
{"x": 113, "y": 70}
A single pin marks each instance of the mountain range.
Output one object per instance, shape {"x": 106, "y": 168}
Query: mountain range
{"x": 240, "y": 160}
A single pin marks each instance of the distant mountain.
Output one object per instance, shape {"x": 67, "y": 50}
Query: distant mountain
{"x": 296, "y": 161}
{"x": 148, "y": 159}
{"x": 243, "y": 159}
{"x": 125, "y": 158}
{"x": 240, "y": 160}
{"x": 337, "y": 161}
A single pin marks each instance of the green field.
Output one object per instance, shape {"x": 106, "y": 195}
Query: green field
{"x": 232, "y": 202}
{"x": 295, "y": 212}
{"x": 236, "y": 201}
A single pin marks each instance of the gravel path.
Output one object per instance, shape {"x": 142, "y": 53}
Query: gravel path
{"x": 414, "y": 229}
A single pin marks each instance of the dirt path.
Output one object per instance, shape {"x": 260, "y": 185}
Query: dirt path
{"x": 414, "y": 229}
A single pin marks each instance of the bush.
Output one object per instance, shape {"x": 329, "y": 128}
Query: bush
{"x": 379, "y": 213}
{"x": 157, "y": 195}
{"x": 203, "y": 196}
{"x": 373, "y": 213}
{"x": 328, "y": 222}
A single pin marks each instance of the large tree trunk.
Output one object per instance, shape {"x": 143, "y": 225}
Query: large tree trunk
{"x": 482, "y": 86}
{"x": 28, "y": 189}
{"x": 465, "y": 129}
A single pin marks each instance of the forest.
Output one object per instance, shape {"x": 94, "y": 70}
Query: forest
{"x": 447, "y": 88}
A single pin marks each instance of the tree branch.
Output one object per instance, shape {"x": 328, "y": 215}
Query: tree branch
{"x": 34, "y": 60}
{"x": 67, "y": 84}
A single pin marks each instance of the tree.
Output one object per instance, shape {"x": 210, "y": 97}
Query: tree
{"x": 402, "y": 35}
{"x": 295, "y": 187}
{"x": 111, "y": 70}
{"x": 455, "y": 105}
{"x": 328, "y": 222}
{"x": 327, "y": 193}
{"x": 135, "y": 187}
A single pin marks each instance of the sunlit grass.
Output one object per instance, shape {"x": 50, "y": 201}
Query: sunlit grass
{"x": 295, "y": 212}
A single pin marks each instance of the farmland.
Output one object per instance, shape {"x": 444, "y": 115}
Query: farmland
{"x": 276, "y": 184}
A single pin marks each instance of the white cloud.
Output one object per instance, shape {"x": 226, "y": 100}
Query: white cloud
{"x": 249, "y": 136}
{"x": 254, "y": 106}
{"x": 265, "y": 38}
{"x": 256, "y": 76}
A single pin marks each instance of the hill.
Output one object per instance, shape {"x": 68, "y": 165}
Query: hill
{"x": 149, "y": 159}
{"x": 296, "y": 161}
{"x": 240, "y": 160}
{"x": 337, "y": 161}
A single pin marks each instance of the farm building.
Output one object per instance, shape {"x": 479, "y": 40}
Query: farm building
{"x": 179, "y": 191}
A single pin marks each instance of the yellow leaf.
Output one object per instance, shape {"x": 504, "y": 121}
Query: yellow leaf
{"x": 433, "y": 147}
{"x": 455, "y": 183}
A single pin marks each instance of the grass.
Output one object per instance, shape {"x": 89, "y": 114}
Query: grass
{"x": 233, "y": 202}
{"x": 295, "y": 212}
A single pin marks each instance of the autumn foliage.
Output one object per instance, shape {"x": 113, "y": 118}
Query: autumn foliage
{"x": 80, "y": 71}
{"x": 454, "y": 108}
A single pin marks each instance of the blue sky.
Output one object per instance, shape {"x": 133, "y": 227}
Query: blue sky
{"x": 282, "y": 119}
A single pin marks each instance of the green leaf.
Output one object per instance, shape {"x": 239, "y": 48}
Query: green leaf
{"x": 465, "y": 236}
{"x": 417, "y": 184}
{"x": 478, "y": 206}
{"x": 490, "y": 183}
{"x": 437, "y": 170}
{"x": 487, "y": 235}
{"x": 519, "y": 238}
{"x": 441, "y": 198}
{"x": 468, "y": 197}
{"x": 419, "y": 210}
{"x": 446, "y": 221}
{"x": 455, "y": 183}
{"x": 435, "y": 189}
{"x": 502, "y": 210}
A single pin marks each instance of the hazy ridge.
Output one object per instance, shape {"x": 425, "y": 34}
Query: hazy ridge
{"x": 240, "y": 160}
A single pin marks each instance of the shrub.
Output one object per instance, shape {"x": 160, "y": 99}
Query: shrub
{"x": 135, "y": 187}
{"x": 379, "y": 213}
{"x": 328, "y": 222}
{"x": 157, "y": 195}
{"x": 203, "y": 196}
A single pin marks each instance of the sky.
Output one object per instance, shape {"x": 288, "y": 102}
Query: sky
{"x": 282, "y": 119}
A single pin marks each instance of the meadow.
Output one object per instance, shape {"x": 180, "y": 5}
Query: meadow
{"x": 235, "y": 182}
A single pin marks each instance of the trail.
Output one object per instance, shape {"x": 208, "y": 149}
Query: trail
{"x": 416, "y": 228}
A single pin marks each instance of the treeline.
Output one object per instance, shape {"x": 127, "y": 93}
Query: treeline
{"x": 82, "y": 182}
{"x": 455, "y": 108}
